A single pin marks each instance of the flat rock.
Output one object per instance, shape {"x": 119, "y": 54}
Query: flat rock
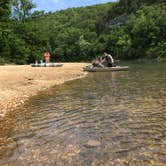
{"x": 93, "y": 143}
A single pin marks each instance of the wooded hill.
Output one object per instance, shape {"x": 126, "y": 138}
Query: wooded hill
{"x": 128, "y": 29}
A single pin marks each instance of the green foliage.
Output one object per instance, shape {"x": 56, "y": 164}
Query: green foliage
{"x": 129, "y": 29}
{"x": 22, "y": 9}
{"x": 158, "y": 51}
{"x": 143, "y": 36}
{"x": 72, "y": 33}
{"x": 4, "y": 10}
{"x": 2, "y": 61}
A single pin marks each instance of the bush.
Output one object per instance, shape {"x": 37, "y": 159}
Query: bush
{"x": 2, "y": 61}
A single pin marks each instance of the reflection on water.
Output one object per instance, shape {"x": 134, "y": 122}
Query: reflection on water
{"x": 116, "y": 118}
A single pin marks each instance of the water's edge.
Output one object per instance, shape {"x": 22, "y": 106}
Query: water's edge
{"x": 23, "y": 101}
{"x": 111, "y": 118}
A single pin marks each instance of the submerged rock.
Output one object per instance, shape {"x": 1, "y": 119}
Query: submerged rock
{"x": 93, "y": 143}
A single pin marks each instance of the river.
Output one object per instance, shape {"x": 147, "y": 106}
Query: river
{"x": 109, "y": 118}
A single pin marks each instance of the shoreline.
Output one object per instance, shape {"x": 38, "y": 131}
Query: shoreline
{"x": 19, "y": 83}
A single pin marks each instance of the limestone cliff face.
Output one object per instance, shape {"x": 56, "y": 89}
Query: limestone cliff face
{"x": 117, "y": 21}
{"x": 120, "y": 12}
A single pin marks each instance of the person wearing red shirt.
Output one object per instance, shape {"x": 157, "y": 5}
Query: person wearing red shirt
{"x": 47, "y": 57}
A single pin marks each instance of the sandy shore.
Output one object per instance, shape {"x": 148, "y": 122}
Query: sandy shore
{"x": 19, "y": 83}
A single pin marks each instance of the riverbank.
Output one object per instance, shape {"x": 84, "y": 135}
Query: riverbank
{"x": 19, "y": 83}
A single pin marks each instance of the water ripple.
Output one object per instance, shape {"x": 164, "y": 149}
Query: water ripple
{"x": 122, "y": 114}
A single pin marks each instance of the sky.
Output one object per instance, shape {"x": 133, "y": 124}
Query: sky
{"x": 54, "y": 5}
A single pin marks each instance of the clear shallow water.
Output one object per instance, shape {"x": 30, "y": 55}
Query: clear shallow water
{"x": 116, "y": 118}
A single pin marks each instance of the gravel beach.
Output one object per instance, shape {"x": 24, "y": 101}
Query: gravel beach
{"x": 19, "y": 83}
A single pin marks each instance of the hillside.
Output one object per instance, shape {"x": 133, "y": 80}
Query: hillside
{"x": 129, "y": 29}
{"x": 72, "y": 34}
{"x": 138, "y": 29}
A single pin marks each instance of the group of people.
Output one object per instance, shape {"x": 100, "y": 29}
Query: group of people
{"x": 106, "y": 60}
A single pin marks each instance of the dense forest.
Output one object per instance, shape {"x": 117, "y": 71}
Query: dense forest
{"x": 128, "y": 29}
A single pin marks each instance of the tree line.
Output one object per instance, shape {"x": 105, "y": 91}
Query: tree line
{"x": 128, "y": 29}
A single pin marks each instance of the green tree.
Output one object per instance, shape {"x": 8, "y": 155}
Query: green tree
{"x": 22, "y": 9}
{"x": 4, "y": 17}
{"x": 143, "y": 35}
{"x": 128, "y": 29}
{"x": 4, "y": 10}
